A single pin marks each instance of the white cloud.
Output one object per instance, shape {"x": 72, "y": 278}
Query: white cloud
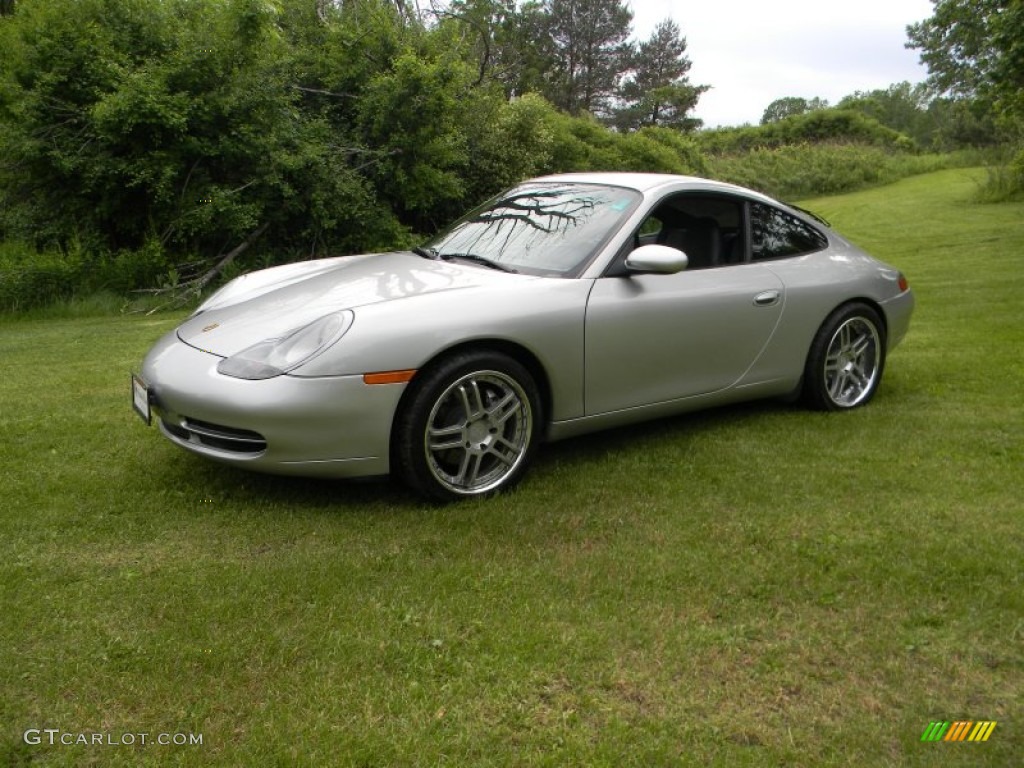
{"x": 755, "y": 51}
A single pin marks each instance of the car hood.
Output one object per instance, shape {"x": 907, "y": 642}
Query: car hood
{"x": 270, "y": 303}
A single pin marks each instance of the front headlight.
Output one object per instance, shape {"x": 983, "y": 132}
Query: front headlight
{"x": 274, "y": 357}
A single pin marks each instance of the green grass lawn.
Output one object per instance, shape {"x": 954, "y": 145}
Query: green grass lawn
{"x": 757, "y": 585}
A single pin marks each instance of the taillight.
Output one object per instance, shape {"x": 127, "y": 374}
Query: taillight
{"x": 902, "y": 282}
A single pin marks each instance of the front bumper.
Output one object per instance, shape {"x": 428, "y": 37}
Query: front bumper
{"x": 334, "y": 426}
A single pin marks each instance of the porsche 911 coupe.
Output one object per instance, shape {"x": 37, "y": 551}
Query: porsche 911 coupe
{"x": 568, "y": 304}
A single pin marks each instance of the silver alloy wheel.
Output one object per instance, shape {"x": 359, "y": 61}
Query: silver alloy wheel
{"x": 478, "y": 432}
{"x": 852, "y": 362}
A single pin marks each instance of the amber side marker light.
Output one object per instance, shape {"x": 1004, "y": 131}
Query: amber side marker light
{"x": 388, "y": 377}
{"x": 902, "y": 282}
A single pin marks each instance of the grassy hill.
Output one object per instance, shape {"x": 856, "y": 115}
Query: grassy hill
{"x": 756, "y": 585}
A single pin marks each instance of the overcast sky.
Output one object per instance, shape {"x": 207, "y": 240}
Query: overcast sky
{"x": 755, "y": 51}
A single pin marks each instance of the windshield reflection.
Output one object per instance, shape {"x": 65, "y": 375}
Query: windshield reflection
{"x": 550, "y": 229}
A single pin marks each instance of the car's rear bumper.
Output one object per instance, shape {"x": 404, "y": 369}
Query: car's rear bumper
{"x": 335, "y": 426}
{"x": 897, "y": 316}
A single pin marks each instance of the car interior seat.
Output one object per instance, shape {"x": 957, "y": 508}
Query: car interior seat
{"x": 698, "y": 238}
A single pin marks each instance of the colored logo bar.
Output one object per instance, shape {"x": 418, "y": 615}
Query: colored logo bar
{"x": 960, "y": 730}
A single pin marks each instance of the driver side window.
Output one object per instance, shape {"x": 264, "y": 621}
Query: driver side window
{"x": 649, "y": 230}
{"x": 707, "y": 228}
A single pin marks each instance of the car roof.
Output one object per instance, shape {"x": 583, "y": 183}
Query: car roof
{"x": 647, "y": 182}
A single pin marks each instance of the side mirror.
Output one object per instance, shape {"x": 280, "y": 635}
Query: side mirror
{"x": 660, "y": 259}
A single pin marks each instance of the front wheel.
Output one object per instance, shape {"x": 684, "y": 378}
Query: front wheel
{"x": 846, "y": 359}
{"x": 469, "y": 426}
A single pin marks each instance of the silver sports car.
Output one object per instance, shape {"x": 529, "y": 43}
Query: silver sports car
{"x": 567, "y": 304}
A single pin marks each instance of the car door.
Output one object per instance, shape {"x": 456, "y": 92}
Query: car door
{"x": 652, "y": 338}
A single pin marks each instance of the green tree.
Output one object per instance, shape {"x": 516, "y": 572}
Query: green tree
{"x": 145, "y": 133}
{"x": 902, "y": 107}
{"x": 496, "y": 46}
{"x": 974, "y": 51}
{"x": 658, "y": 92}
{"x": 414, "y": 116}
{"x": 789, "y": 106}
{"x": 590, "y": 51}
{"x": 529, "y": 36}
{"x": 169, "y": 122}
{"x": 959, "y": 44}
{"x": 507, "y": 142}
{"x": 963, "y": 123}
{"x": 1008, "y": 70}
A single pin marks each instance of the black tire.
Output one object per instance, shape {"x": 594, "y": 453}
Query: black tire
{"x": 846, "y": 359}
{"x": 468, "y": 426}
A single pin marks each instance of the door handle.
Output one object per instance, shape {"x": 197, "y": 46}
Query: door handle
{"x": 767, "y": 298}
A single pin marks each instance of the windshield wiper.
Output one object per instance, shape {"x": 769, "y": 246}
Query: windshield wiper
{"x": 426, "y": 253}
{"x": 479, "y": 260}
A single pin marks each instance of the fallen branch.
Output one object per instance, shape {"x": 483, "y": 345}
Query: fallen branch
{"x": 180, "y": 293}
{"x": 322, "y": 92}
{"x": 241, "y": 248}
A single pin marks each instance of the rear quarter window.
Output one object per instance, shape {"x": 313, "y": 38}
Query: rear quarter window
{"x": 776, "y": 234}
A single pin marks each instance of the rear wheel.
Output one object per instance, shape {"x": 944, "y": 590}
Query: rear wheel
{"x": 846, "y": 359}
{"x": 469, "y": 426}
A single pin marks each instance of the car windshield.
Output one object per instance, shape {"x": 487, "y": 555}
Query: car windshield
{"x": 538, "y": 228}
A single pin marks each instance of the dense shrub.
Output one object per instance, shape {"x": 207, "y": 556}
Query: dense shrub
{"x": 139, "y": 135}
{"x": 172, "y": 121}
{"x": 30, "y": 279}
{"x": 583, "y": 144}
{"x": 179, "y": 127}
{"x": 822, "y": 126}
{"x": 509, "y": 141}
{"x": 1017, "y": 173}
{"x": 1005, "y": 181}
{"x": 819, "y": 169}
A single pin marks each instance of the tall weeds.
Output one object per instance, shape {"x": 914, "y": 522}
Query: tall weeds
{"x": 805, "y": 170}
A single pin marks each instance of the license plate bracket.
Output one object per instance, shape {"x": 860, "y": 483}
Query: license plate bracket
{"x": 140, "y": 399}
